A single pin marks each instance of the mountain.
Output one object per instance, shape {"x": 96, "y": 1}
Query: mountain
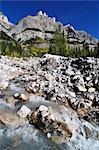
{"x": 32, "y": 26}
{"x": 43, "y": 27}
{"x": 5, "y": 25}
{"x": 4, "y": 21}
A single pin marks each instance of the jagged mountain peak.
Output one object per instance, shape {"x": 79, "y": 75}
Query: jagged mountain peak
{"x": 69, "y": 26}
{"x": 41, "y": 13}
{"x": 43, "y": 26}
{"x": 44, "y": 14}
{"x": 4, "y": 21}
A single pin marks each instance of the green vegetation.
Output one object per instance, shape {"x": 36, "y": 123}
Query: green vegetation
{"x": 10, "y": 47}
{"x": 33, "y": 47}
{"x": 36, "y": 51}
{"x": 60, "y": 46}
{"x": 36, "y": 40}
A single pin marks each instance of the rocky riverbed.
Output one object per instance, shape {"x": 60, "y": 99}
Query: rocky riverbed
{"x": 49, "y": 103}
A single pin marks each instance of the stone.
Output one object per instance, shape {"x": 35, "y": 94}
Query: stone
{"x": 10, "y": 100}
{"x": 49, "y": 135}
{"x": 24, "y": 97}
{"x": 5, "y": 22}
{"x": 88, "y": 78}
{"x": 69, "y": 72}
{"x": 43, "y": 108}
{"x": 10, "y": 118}
{"x": 50, "y": 123}
{"x": 52, "y": 117}
{"x": 24, "y": 111}
{"x": 81, "y": 88}
{"x": 72, "y": 94}
{"x": 40, "y": 13}
{"x": 72, "y": 100}
{"x": 16, "y": 95}
{"x": 91, "y": 97}
{"x": 91, "y": 90}
{"x": 59, "y": 107}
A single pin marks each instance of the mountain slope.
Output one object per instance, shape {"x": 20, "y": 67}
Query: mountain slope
{"x": 43, "y": 27}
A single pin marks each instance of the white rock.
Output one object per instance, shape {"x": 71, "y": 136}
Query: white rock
{"x": 40, "y": 13}
{"x": 45, "y": 14}
{"x": 91, "y": 97}
{"x": 54, "y": 19}
{"x": 87, "y": 78}
{"x": 43, "y": 108}
{"x": 24, "y": 97}
{"x": 48, "y": 135}
{"x": 91, "y": 90}
{"x": 16, "y": 95}
{"x": 78, "y": 72}
{"x": 69, "y": 72}
{"x": 81, "y": 88}
{"x": 91, "y": 61}
{"x": 45, "y": 114}
{"x": 72, "y": 94}
{"x": 72, "y": 100}
{"x": 52, "y": 116}
{"x": 24, "y": 112}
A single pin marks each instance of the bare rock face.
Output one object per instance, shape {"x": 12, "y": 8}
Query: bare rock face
{"x": 3, "y": 30}
{"x": 43, "y": 26}
{"x": 80, "y": 37}
{"x": 4, "y": 21}
{"x": 31, "y": 26}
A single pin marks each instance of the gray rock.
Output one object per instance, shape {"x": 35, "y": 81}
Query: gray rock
{"x": 24, "y": 112}
{"x": 81, "y": 88}
{"x": 43, "y": 26}
{"x": 91, "y": 90}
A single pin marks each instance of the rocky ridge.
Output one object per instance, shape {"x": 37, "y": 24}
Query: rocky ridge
{"x": 4, "y": 21}
{"x": 56, "y": 95}
{"x": 43, "y": 26}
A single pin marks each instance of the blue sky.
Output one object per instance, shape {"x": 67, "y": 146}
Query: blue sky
{"x": 83, "y": 15}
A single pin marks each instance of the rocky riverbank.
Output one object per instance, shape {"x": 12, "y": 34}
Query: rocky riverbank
{"x": 53, "y": 100}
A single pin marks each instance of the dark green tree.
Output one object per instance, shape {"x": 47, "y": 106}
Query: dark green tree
{"x": 58, "y": 45}
{"x": 97, "y": 49}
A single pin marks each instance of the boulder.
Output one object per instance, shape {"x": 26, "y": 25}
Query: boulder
{"x": 24, "y": 112}
{"x": 10, "y": 118}
{"x": 24, "y": 97}
{"x": 16, "y": 95}
{"x": 81, "y": 88}
{"x": 49, "y": 124}
{"x": 10, "y": 100}
{"x": 91, "y": 90}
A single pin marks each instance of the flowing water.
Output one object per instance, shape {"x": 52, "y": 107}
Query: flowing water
{"x": 27, "y": 137}
{"x": 24, "y": 137}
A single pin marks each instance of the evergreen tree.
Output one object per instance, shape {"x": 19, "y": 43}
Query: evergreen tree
{"x": 97, "y": 55}
{"x": 58, "y": 45}
{"x": 7, "y": 51}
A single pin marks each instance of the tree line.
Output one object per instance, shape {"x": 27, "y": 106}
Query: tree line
{"x": 58, "y": 45}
